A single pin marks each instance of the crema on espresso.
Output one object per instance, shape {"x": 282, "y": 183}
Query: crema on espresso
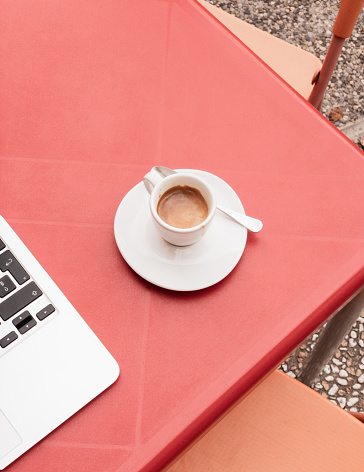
{"x": 182, "y": 207}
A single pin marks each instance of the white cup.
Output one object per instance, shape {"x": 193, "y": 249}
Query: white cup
{"x": 160, "y": 185}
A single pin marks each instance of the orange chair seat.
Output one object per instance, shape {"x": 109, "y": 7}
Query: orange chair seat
{"x": 296, "y": 66}
{"x": 282, "y": 426}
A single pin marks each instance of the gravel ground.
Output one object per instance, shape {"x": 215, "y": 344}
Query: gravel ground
{"x": 308, "y": 24}
{"x": 342, "y": 379}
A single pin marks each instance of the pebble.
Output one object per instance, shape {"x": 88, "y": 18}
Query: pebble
{"x": 352, "y": 401}
{"x": 342, "y": 381}
{"x": 341, "y": 401}
{"x": 333, "y": 390}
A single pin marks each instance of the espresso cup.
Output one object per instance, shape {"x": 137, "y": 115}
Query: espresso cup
{"x": 182, "y": 208}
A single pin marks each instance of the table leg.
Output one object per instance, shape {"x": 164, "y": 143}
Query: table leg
{"x": 330, "y": 338}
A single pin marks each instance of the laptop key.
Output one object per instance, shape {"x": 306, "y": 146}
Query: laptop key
{"x": 6, "y": 286}
{"x": 9, "y": 263}
{"x": 8, "y": 339}
{"x": 41, "y": 315}
{"x": 19, "y": 300}
{"x": 24, "y": 322}
{"x": 2, "y": 245}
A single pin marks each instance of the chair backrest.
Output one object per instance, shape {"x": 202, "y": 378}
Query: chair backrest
{"x": 281, "y": 426}
{"x": 345, "y": 21}
{"x": 301, "y": 69}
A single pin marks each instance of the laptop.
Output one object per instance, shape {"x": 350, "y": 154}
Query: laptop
{"x": 51, "y": 363}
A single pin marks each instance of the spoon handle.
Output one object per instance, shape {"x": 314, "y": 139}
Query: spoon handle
{"x": 247, "y": 221}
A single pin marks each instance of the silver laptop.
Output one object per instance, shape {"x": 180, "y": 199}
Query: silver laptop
{"x": 48, "y": 355}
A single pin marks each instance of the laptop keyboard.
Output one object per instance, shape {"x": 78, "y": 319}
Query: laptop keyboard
{"x": 24, "y": 307}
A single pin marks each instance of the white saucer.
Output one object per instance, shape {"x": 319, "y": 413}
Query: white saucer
{"x": 180, "y": 268}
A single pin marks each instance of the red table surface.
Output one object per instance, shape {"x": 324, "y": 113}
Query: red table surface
{"x": 92, "y": 95}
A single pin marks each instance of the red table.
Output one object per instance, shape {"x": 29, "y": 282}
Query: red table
{"x": 92, "y": 95}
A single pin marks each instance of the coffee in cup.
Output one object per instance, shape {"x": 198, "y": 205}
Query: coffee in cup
{"x": 182, "y": 207}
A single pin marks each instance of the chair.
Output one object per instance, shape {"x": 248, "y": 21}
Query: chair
{"x": 281, "y": 426}
{"x": 301, "y": 69}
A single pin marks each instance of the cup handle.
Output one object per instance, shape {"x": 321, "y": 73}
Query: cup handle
{"x": 153, "y": 178}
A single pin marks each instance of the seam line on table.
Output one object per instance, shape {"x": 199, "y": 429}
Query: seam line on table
{"x": 143, "y": 355}
{"x": 312, "y": 238}
{"x": 141, "y": 166}
{"x": 59, "y": 223}
{"x": 163, "y": 80}
{"x": 110, "y": 225}
{"x": 68, "y": 161}
{"x": 87, "y": 445}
